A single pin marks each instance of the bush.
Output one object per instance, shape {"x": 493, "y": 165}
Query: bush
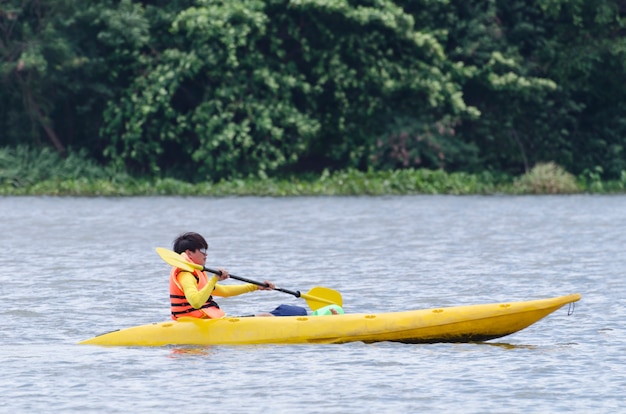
{"x": 547, "y": 178}
{"x": 23, "y": 167}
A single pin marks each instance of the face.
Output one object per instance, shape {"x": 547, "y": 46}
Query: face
{"x": 197, "y": 256}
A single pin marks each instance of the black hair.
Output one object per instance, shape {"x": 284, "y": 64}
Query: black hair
{"x": 191, "y": 241}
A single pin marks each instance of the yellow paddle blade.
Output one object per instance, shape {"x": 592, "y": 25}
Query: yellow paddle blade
{"x": 174, "y": 259}
{"x": 321, "y": 296}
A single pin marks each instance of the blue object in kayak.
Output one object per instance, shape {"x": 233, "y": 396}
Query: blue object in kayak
{"x": 289, "y": 310}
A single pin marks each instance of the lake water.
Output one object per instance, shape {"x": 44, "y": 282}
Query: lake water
{"x": 77, "y": 267}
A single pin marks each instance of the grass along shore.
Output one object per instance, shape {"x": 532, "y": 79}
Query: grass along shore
{"x": 26, "y": 172}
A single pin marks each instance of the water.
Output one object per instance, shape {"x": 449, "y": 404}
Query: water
{"x": 77, "y": 267}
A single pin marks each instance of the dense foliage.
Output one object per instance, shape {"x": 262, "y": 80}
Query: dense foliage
{"x": 208, "y": 90}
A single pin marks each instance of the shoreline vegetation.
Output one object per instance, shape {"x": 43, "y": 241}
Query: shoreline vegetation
{"x": 266, "y": 96}
{"x": 25, "y": 172}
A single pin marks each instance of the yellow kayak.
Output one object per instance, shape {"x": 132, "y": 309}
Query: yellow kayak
{"x": 470, "y": 323}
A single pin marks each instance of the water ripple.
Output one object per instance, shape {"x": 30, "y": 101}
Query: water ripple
{"x": 77, "y": 267}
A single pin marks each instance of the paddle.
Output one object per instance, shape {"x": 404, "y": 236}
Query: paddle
{"x": 316, "y": 298}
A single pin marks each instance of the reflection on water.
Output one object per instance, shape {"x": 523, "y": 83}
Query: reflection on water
{"x": 77, "y": 267}
{"x": 505, "y": 345}
{"x": 191, "y": 351}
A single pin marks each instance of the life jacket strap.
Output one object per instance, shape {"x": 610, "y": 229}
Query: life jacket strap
{"x": 209, "y": 304}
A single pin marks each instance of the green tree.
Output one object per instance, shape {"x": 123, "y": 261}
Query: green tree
{"x": 262, "y": 86}
{"x": 62, "y": 61}
{"x": 585, "y": 53}
{"x": 212, "y": 89}
{"x": 30, "y": 49}
{"x": 549, "y": 81}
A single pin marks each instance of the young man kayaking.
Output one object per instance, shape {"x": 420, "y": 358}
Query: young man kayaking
{"x": 191, "y": 294}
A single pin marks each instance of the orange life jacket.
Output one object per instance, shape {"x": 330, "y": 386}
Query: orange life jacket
{"x": 179, "y": 304}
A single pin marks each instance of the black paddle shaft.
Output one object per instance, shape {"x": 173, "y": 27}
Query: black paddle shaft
{"x": 254, "y": 282}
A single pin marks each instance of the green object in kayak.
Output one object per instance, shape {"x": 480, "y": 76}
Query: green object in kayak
{"x": 328, "y": 310}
